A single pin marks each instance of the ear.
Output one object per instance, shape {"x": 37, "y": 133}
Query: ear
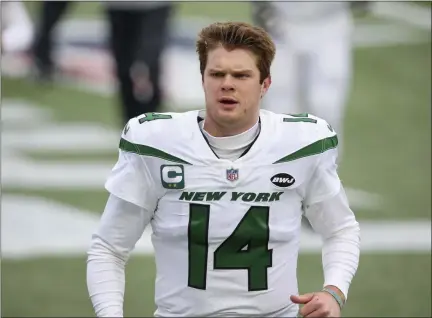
{"x": 265, "y": 86}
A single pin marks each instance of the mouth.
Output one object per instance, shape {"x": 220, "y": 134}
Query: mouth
{"x": 228, "y": 102}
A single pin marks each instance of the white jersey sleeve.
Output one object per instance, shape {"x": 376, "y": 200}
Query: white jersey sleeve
{"x": 335, "y": 222}
{"x": 326, "y": 207}
{"x": 325, "y": 182}
{"x": 130, "y": 179}
{"x": 121, "y": 226}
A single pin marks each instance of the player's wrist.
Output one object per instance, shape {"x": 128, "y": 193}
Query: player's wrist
{"x": 336, "y": 293}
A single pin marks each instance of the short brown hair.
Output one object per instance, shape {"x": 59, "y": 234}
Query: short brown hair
{"x": 237, "y": 35}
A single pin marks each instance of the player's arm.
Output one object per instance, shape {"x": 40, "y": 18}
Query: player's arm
{"x": 128, "y": 211}
{"x": 121, "y": 226}
{"x": 327, "y": 209}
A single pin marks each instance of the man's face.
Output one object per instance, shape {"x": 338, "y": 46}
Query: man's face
{"x": 232, "y": 86}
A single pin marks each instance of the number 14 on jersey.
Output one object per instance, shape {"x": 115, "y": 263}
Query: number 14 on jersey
{"x": 245, "y": 249}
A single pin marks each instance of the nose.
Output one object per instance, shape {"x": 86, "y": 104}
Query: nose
{"x": 227, "y": 83}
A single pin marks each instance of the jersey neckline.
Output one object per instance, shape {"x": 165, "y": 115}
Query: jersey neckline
{"x": 253, "y": 148}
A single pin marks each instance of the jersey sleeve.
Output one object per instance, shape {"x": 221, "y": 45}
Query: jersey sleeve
{"x": 324, "y": 182}
{"x": 130, "y": 179}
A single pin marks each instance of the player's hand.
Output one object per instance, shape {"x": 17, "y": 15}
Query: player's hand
{"x": 320, "y": 304}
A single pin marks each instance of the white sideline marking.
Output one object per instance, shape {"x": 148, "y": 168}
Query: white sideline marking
{"x": 34, "y": 227}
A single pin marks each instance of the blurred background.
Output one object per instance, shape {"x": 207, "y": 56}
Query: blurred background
{"x": 62, "y": 117}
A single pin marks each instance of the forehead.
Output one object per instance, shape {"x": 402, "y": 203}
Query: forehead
{"x": 220, "y": 58}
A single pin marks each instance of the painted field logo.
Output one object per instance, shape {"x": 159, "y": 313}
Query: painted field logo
{"x": 232, "y": 174}
{"x": 282, "y": 180}
{"x": 172, "y": 176}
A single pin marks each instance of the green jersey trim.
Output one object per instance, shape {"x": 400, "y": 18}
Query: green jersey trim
{"x": 315, "y": 148}
{"x": 144, "y": 150}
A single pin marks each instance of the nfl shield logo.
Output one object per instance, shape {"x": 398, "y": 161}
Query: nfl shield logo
{"x": 232, "y": 174}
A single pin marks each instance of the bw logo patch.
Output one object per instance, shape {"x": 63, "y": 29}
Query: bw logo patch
{"x": 282, "y": 180}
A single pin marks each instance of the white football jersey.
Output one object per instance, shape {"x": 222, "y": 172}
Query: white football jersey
{"x": 225, "y": 233}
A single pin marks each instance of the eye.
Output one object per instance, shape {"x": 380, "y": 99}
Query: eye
{"x": 217, "y": 74}
{"x": 241, "y": 75}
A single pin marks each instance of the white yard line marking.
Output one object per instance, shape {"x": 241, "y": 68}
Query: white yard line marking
{"x": 63, "y": 137}
{"x": 61, "y": 176}
{"x": 16, "y": 113}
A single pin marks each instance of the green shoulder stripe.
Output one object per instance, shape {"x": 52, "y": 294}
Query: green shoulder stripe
{"x": 317, "y": 147}
{"x": 298, "y": 119}
{"x": 148, "y": 151}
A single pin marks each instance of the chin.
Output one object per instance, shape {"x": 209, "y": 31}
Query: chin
{"x": 230, "y": 114}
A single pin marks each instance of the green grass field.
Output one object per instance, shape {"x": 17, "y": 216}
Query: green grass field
{"x": 387, "y": 152}
{"x": 385, "y": 285}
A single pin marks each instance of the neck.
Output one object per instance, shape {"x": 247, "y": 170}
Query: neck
{"x": 231, "y": 147}
{"x": 226, "y": 130}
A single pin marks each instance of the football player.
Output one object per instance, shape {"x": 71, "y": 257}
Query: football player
{"x": 224, "y": 190}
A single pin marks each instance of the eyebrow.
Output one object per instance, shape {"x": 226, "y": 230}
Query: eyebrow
{"x": 233, "y": 71}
